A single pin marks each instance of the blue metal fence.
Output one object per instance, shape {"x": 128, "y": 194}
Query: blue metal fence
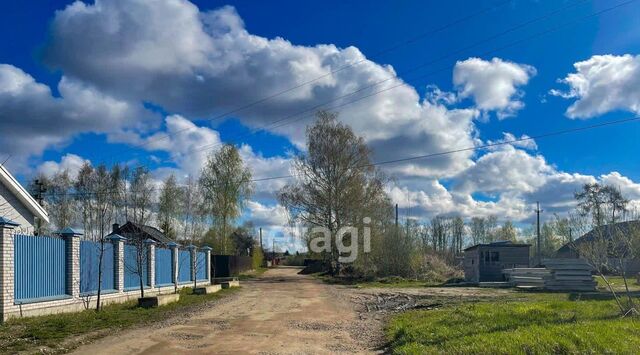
{"x": 184, "y": 266}
{"x": 131, "y": 273}
{"x": 90, "y": 264}
{"x": 40, "y": 267}
{"x": 164, "y": 267}
{"x": 201, "y": 266}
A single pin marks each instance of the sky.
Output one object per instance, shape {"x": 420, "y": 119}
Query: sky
{"x": 164, "y": 83}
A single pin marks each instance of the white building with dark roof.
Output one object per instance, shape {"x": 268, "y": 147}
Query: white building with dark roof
{"x": 17, "y": 205}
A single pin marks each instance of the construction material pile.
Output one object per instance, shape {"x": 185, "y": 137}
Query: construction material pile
{"x": 569, "y": 275}
{"x": 557, "y": 275}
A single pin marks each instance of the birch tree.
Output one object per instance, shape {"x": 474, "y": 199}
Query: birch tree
{"x": 225, "y": 182}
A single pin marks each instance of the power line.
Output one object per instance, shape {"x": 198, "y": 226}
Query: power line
{"x": 348, "y": 65}
{"x": 484, "y": 146}
{"x": 430, "y": 155}
{"x": 372, "y": 85}
{"x": 553, "y": 29}
{"x": 312, "y": 109}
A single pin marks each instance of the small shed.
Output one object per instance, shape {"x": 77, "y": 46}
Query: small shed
{"x": 485, "y": 262}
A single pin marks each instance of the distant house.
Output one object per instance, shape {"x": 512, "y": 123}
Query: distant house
{"x": 131, "y": 230}
{"x": 17, "y": 205}
{"x": 570, "y": 250}
{"x": 485, "y": 262}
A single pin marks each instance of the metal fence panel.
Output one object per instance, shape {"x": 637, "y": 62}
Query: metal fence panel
{"x": 184, "y": 266}
{"x": 40, "y": 267}
{"x": 131, "y": 273}
{"x": 201, "y": 266}
{"x": 164, "y": 267}
{"x": 90, "y": 264}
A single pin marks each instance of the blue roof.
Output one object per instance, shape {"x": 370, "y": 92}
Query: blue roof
{"x": 117, "y": 237}
{"x": 69, "y": 231}
{"x": 8, "y": 222}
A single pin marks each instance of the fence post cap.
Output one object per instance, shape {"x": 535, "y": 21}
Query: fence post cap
{"x": 5, "y": 222}
{"x": 173, "y": 245}
{"x": 117, "y": 238}
{"x": 149, "y": 241}
{"x": 206, "y": 248}
{"x": 69, "y": 232}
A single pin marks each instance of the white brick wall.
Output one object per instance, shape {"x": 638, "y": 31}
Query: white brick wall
{"x": 6, "y": 270}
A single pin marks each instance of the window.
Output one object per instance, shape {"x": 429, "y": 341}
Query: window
{"x": 495, "y": 256}
{"x": 486, "y": 257}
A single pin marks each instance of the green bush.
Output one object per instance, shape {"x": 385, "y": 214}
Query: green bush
{"x": 257, "y": 258}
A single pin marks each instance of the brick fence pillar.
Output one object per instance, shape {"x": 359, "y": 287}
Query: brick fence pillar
{"x": 118, "y": 261}
{"x": 207, "y": 265}
{"x": 151, "y": 261}
{"x": 175, "y": 254}
{"x": 6, "y": 267}
{"x": 72, "y": 241}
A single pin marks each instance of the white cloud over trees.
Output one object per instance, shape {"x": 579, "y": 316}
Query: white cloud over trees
{"x": 116, "y": 56}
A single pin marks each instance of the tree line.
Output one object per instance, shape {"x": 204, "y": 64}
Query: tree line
{"x": 201, "y": 210}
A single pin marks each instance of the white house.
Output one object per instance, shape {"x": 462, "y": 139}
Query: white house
{"x": 17, "y": 205}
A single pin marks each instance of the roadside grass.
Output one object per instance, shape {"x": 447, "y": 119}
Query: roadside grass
{"x": 386, "y": 282}
{"x": 397, "y": 283}
{"x": 56, "y": 332}
{"x": 617, "y": 282}
{"x": 252, "y": 274}
{"x": 538, "y": 324}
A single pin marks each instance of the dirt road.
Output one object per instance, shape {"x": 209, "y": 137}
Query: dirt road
{"x": 280, "y": 313}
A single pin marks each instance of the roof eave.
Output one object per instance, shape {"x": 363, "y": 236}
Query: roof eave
{"x": 23, "y": 196}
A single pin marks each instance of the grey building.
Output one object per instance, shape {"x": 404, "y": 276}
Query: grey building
{"x": 485, "y": 262}
{"x": 614, "y": 236}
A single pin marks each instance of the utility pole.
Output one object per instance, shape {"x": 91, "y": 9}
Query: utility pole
{"x": 396, "y": 216}
{"x": 40, "y": 190}
{"x": 261, "y": 249}
{"x": 538, "y": 210}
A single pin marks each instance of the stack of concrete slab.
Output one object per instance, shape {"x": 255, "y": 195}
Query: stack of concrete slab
{"x": 557, "y": 275}
{"x": 569, "y": 275}
{"x": 527, "y": 277}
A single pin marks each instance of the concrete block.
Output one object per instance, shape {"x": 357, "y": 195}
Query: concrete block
{"x": 157, "y": 301}
{"x": 207, "y": 289}
{"x": 229, "y": 284}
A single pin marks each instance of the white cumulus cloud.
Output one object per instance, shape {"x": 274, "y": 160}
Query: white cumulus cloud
{"x": 601, "y": 84}
{"x": 493, "y": 85}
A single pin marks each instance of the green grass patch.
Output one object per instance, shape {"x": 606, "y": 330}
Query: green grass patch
{"x": 541, "y": 324}
{"x": 617, "y": 282}
{"x": 56, "y": 331}
{"x": 385, "y": 282}
{"x": 252, "y": 274}
{"x": 397, "y": 283}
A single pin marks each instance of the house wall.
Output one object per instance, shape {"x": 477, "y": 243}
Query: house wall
{"x": 471, "y": 265}
{"x": 509, "y": 257}
{"x": 14, "y": 210}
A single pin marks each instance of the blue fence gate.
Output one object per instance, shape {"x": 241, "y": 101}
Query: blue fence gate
{"x": 131, "y": 272}
{"x": 90, "y": 266}
{"x": 184, "y": 266}
{"x": 201, "y": 266}
{"x": 40, "y": 267}
{"x": 164, "y": 267}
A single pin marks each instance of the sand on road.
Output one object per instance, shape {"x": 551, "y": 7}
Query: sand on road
{"x": 279, "y": 313}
